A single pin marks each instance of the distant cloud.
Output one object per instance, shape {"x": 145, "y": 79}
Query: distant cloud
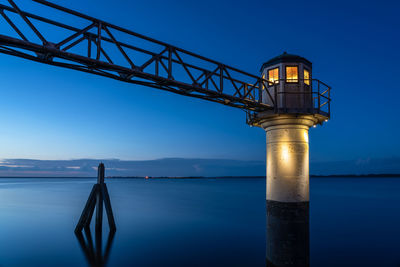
{"x": 359, "y": 166}
{"x": 115, "y": 167}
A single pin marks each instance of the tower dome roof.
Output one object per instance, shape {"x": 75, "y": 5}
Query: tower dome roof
{"x": 285, "y": 57}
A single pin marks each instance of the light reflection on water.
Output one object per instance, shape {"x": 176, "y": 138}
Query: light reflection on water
{"x": 193, "y": 222}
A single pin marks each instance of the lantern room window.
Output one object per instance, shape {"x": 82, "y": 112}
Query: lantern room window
{"x": 273, "y": 76}
{"x": 292, "y": 74}
{"x": 306, "y": 77}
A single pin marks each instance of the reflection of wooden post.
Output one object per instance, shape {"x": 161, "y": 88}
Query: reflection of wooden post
{"x": 98, "y": 195}
{"x": 94, "y": 252}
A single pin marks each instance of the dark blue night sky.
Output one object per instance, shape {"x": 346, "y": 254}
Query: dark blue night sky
{"x": 54, "y": 113}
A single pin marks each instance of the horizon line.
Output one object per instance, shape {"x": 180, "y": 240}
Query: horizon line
{"x": 371, "y": 175}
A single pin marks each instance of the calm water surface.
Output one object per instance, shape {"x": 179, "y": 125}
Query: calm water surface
{"x": 196, "y": 222}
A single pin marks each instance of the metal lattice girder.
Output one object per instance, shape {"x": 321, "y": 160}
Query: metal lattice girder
{"x": 101, "y": 48}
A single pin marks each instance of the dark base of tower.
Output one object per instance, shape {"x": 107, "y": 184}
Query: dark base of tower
{"x": 287, "y": 234}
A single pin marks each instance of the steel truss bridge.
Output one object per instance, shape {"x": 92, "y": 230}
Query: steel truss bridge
{"x": 94, "y": 46}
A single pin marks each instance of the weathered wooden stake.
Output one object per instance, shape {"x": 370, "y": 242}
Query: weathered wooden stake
{"x": 98, "y": 195}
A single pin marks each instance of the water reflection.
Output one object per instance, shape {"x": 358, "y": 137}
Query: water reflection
{"x": 94, "y": 250}
{"x": 288, "y": 234}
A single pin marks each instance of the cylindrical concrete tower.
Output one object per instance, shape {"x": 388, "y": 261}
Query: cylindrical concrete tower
{"x": 288, "y": 189}
{"x": 297, "y": 102}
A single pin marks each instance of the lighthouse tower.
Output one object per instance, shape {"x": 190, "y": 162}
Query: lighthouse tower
{"x": 299, "y": 102}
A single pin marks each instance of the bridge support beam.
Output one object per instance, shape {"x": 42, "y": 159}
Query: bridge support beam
{"x": 287, "y": 189}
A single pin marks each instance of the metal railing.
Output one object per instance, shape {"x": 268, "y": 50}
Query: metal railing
{"x": 309, "y": 96}
{"x": 299, "y": 97}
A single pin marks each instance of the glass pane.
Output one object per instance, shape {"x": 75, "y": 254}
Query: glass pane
{"x": 306, "y": 77}
{"x": 273, "y": 75}
{"x": 264, "y": 83}
{"x": 292, "y": 74}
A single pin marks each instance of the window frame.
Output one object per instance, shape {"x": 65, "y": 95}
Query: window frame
{"x": 276, "y": 81}
{"x": 309, "y": 76}
{"x": 286, "y": 76}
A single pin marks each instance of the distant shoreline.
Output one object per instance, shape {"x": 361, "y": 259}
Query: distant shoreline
{"x": 390, "y": 175}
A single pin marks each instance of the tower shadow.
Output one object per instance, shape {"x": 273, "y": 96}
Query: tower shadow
{"x": 93, "y": 247}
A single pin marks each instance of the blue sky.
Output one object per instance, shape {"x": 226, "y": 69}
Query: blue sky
{"x": 53, "y": 113}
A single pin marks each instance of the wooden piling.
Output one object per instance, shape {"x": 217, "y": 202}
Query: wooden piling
{"x": 98, "y": 196}
{"x": 99, "y": 209}
{"x": 83, "y": 220}
{"x": 107, "y": 204}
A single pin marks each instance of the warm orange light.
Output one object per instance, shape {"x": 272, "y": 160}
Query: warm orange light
{"x": 263, "y": 84}
{"x": 273, "y": 76}
{"x": 285, "y": 153}
{"x": 306, "y": 77}
{"x": 292, "y": 74}
{"x": 305, "y": 135}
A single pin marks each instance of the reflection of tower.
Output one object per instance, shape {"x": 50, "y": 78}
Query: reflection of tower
{"x": 98, "y": 196}
{"x": 299, "y": 102}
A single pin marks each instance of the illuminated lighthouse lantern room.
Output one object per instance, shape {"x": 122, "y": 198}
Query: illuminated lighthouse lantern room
{"x": 289, "y": 83}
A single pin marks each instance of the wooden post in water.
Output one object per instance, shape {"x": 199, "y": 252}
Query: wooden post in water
{"x": 97, "y": 197}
